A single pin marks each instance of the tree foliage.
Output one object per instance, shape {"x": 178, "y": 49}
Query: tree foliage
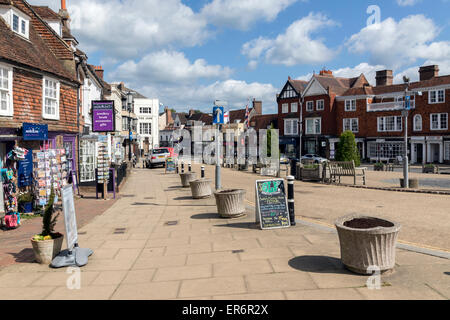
{"x": 347, "y": 149}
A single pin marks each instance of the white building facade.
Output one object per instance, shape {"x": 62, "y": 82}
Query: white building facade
{"x": 147, "y": 112}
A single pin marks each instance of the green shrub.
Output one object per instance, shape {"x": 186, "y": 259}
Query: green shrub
{"x": 347, "y": 149}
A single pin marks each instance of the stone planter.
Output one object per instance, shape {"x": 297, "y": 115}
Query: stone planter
{"x": 367, "y": 242}
{"x": 379, "y": 168}
{"x": 201, "y": 188}
{"x": 46, "y": 251}
{"x": 315, "y": 174}
{"x": 429, "y": 169}
{"x": 186, "y": 178}
{"x": 413, "y": 183}
{"x": 230, "y": 203}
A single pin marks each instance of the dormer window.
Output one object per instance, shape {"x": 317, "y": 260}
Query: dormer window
{"x": 20, "y": 23}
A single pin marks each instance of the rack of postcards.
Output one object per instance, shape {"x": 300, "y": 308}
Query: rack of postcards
{"x": 103, "y": 162}
{"x": 50, "y": 169}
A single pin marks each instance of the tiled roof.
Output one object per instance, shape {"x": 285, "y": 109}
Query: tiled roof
{"x": 34, "y": 53}
{"x": 264, "y": 121}
{"x": 46, "y": 13}
{"x": 369, "y": 90}
{"x": 299, "y": 85}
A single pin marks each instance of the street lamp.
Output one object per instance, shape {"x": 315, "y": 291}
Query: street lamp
{"x": 405, "y": 157}
{"x": 129, "y": 106}
{"x": 302, "y": 100}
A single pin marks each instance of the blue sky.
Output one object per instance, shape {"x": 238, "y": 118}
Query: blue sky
{"x": 189, "y": 53}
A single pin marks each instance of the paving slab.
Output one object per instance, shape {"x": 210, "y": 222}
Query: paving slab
{"x": 212, "y": 286}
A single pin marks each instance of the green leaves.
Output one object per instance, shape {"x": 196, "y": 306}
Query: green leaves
{"x": 347, "y": 149}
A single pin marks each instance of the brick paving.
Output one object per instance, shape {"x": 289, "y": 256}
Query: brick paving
{"x": 206, "y": 257}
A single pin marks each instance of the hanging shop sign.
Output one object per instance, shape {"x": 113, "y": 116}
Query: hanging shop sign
{"x": 103, "y": 119}
{"x": 34, "y": 132}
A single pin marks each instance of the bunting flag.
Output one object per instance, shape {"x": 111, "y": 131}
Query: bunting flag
{"x": 226, "y": 117}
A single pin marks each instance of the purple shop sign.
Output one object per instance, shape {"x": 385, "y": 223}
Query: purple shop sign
{"x": 103, "y": 119}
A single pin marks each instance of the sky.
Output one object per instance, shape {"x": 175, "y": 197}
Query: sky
{"x": 189, "y": 53}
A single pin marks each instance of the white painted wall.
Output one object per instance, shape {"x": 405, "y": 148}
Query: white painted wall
{"x": 152, "y": 118}
{"x": 91, "y": 91}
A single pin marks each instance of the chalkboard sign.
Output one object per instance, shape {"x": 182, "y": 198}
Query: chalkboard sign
{"x": 170, "y": 165}
{"x": 271, "y": 204}
{"x": 25, "y": 171}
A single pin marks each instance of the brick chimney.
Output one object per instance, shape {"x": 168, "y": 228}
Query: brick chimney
{"x": 384, "y": 78}
{"x": 64, "y": 14}
{"x": 428, "y": 72}
{"x": 327, "y": 73}
{"x": 257, "y": 105}
{"x": 169, "y": 119}
{"x": 99, "y": 71}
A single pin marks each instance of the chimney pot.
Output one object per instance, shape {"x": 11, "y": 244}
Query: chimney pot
{"x": 63, "y": 5}
{"x": 384, "y": 78}
{"x": 428, "y": 72}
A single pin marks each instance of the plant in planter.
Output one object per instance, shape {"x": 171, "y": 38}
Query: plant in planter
{"x": 311, "y": 172}
{"x": 429, "y": 168}
{"x": 379, "y": 166}
{"x": 47, "y": 245}
{"x": 25, "y": 201}
{"x": 367, "y": 243}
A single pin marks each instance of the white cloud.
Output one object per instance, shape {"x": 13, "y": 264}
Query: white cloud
{"x": 397, "y": 44}
{"x": 405, "y": 3}
{"x": 413, "y": 72}
{"x": 368, "y": 70}
{"x": 129, "y": 28}
{"x": 295, "y": 46}
{"x": 235, "y": 92}
{"x": 168, "y": 67}
{"x": 241, "y": 14}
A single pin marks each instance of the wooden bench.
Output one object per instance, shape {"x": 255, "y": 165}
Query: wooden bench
{"x": 345, "y": 169}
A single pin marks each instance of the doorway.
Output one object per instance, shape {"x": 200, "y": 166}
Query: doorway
{"x": 435, "y": 152}
{"x": 418, "y": 150}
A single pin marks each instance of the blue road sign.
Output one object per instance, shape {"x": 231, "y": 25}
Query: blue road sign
{"x": 408, "y": 103}
{"x": 218, "y": 115}
{"x": 131, "y": 136}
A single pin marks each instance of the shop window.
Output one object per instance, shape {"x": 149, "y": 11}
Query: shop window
{"x": 447, "y": 151}
{"x": 385, "y": 150}
{"x": 87, "y": 161}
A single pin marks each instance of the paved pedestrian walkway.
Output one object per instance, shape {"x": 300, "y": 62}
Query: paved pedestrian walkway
{"x": 175, "y": 247}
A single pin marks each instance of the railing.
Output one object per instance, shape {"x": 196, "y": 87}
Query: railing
{"x": 388, "y": 106}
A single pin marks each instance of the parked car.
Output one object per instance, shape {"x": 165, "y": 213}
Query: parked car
{"x": 157, "y": 156}
{"x": 284, "y": 159}
{"x": 314, "y": 157}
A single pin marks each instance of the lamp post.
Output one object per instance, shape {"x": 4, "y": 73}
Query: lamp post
{"x": 129, "y": 106}
{"x": 302, "y": 100}
{"x": 405, "y": 157}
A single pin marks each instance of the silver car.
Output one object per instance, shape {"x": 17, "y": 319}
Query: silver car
{"x": 157, "y": 157}
{"x": 314, "y": 157}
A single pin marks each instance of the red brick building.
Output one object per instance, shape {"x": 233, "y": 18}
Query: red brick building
{"x": 317, "y": 98}
{"x": 374, "y": 114}
{"x": 38, "y": 77}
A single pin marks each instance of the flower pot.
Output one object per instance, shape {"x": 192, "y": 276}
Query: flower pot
{"x": 201, "y": 188}
{"x": 186, "y": 178}
{"x": 367, "y": 242}
{"x": 413, "y": 183}
{"x": 46, "y": 251}
{"x": 230, "y": 203}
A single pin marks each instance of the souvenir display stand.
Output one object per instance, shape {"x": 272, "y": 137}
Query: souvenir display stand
{"x": 103, "y": 166}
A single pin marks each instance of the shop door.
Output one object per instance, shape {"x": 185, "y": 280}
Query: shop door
{"x": 435, "y": 153}
{"x": 419, "y": 152}
{"x": 69, "y": 146}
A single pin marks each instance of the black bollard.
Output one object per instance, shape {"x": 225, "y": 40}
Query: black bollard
{"x": 182, "y": 167}
{"x": 291, "y": 203}
{"x": 178, "y": 170}
{"x": 190, "y": 168}
{"x": 203, "y": 172}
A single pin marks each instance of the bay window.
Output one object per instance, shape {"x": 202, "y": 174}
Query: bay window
{"x": 313, "y": 125}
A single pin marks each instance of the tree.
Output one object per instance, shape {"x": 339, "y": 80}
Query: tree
{"x": 347, "y": 149}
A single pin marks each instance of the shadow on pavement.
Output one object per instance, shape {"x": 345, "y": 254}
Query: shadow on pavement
{"x": 183, "y": 198}
{"x": 240, "y": 225}
{"x": 24, "y": 256}
{"x": 447, "y": 273}
{"x": 318, "y": 264}
{"x": 205, "y": 216}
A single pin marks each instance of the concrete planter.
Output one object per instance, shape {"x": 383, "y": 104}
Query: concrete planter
{"x": 413, "y": 183}
{"x": 186, "y": 178}
{"x": 230, "y": 203}
{"x": 201, "y": 188}
{"x": 315, "y": 174}
{"x": 433, "y": 169}
{"x": 367, "y": 242}
{"x": 46, "y": 251}
{"x": 379, "y": 168}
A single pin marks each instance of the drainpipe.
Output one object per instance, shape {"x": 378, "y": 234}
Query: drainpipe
{"x": 78, "y": 64}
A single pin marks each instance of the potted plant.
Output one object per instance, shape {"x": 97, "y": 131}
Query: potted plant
{"x": 379, "y": 166}
{"x": 367, "y": 243}
{"x": 25, "y": 201}
{"x": 429, "y": 168}
{"x": 201, "y": 188}
{"x": 230, "y": 203}
{"x": 47, "y": 245}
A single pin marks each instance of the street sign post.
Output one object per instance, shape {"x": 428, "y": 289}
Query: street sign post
{"x": 218, "y": 114}
{"x": 218, "y": 120}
